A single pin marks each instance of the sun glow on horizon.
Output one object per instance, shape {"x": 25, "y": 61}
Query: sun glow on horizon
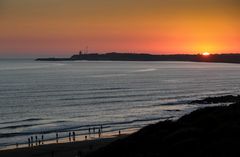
{"x": 59, "y": 27}
{"x": 205, "y": 53}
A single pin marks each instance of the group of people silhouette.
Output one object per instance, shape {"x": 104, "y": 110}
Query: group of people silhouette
{"x": 95, "y": 130}
{"x": 37, "y": 141}
{"x": 72, "y": 136}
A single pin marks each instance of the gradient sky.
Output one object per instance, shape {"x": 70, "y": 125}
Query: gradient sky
{"x": 62, "y": 27}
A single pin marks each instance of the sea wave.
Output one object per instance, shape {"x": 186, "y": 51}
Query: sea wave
{"x": 24, "y": 120}
{"x": 146, "y": 70}
{"x": 110, "y": 125}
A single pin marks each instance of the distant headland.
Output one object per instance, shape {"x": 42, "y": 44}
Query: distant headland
{"x": 114, "y": 56}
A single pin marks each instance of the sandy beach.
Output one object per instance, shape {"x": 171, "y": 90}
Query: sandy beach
{"x": 81, "y": 146}
{"x": 60, "y": 150}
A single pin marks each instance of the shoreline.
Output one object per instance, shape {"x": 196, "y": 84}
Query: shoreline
{"x": 61, "y": 149}
{"x": 63, "y": 135}
{"x": 78, "y": 138}
{"x": 79, "y": 147}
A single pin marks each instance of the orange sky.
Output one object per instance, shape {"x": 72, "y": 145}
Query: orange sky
{"x": 62, "y": 27}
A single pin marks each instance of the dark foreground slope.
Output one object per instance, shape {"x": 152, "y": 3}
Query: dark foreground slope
{"x": 208, "y": 132}
{"x": 219, "y": 99}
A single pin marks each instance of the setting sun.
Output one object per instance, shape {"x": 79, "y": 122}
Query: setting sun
{"x": 206, "y": 54}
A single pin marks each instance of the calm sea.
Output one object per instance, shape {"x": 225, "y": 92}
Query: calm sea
{"x": 49, "y": 97}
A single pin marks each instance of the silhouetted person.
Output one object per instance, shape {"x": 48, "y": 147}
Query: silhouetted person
{"x": 119, "y": 132}
{"x": 16, "y": 145}
{"x": 101, "y": 128}
{"x": 99, "y": 132}
{"x": 89, "y": 131}
{"x": 74, "y": 135}
{"x": 36, "y": 138}
{"x": 85, "y": 137}
{"x": 42, "y": 139}
{"x": 57, "y": 137}
{"x": 29, "y": 142}
{"x": 69, "y": 136}
{"x": 39, "y": 142}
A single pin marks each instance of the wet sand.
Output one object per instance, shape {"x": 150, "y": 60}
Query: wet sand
{"x": 71, "y": 149}
{"x": 64, "y": 148}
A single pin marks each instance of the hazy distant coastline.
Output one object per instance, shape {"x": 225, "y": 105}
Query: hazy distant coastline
{"x": 222, "y": 58}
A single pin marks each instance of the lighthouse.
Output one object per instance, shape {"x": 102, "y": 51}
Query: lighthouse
{"x": 80, "y": 53}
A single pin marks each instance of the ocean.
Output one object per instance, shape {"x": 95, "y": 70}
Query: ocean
{"x": 49, "y": 97}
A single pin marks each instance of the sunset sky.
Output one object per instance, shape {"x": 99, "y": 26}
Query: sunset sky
{"x": 63, "y": 27}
